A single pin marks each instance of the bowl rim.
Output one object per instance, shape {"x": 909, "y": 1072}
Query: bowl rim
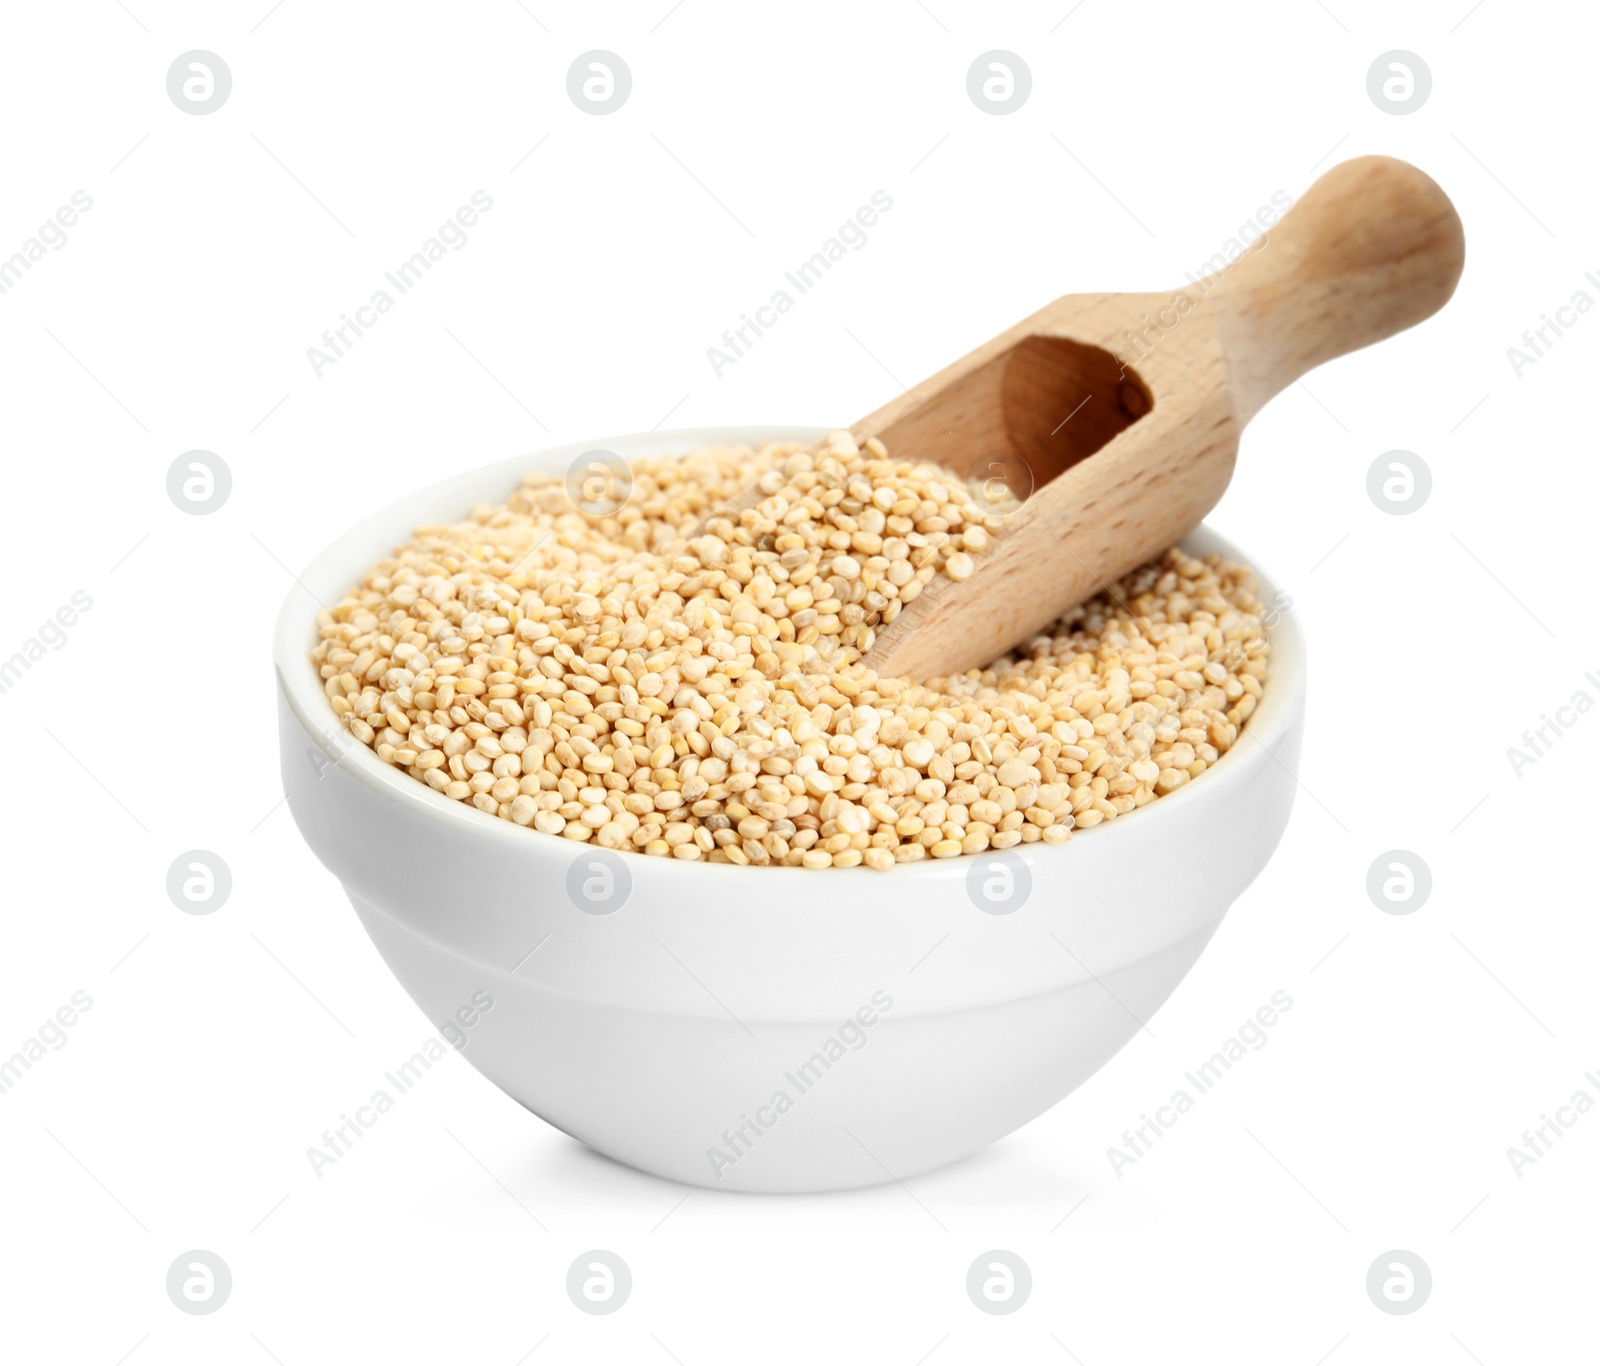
{"x": 301, "y": 688}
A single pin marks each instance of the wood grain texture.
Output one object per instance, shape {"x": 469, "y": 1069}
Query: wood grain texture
{"x": 1097, "y": 509}
{"x": 1116, "y": 417}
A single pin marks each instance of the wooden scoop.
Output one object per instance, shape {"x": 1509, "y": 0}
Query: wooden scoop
{"x": 1116, "y": 417}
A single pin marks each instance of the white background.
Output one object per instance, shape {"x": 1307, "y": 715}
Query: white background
{"x": 218, "y": 1048}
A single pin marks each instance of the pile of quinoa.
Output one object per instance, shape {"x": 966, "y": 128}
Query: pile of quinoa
{"x": 681, "y": 680}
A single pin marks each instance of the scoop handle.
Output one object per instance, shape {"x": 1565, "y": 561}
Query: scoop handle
{"x": 1372, "y": 248}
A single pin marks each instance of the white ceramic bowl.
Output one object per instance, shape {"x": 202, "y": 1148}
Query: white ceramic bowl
{"x": 728, "y": 1026}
